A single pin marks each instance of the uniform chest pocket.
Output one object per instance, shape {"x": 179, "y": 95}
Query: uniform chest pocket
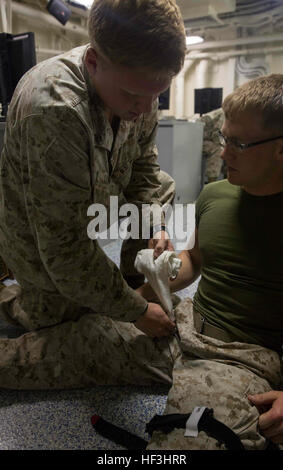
{"x": 101, "y": 193}
{"x": 130, "y": 150}
{"x": 122, "y": 175}
{"x": 128, "y": 153}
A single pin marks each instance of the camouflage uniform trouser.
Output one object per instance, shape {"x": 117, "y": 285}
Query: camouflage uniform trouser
{"x": 52, "y": 357}
{"x": 218, "y": 375}
{"x": 97, "y": 350}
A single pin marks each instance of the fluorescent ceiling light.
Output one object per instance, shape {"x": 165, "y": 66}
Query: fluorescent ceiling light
{"x": 84, "y": 3}
{"x": 193, "y": 40}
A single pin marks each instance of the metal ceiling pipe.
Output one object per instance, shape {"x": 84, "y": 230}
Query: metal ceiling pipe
{"x": 47, "y": 19}
{"x": 233, "y": 53}
{"x": 236, "y": 42}
{"x": 49, "y": 52}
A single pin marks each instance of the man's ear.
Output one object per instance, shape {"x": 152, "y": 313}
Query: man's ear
{"x": 91, "y": 61}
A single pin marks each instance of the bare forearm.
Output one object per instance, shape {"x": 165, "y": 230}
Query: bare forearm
{"x": 188, "y": 273}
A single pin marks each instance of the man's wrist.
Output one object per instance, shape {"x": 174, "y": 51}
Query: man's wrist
{"x": 134, "y": 321}
{"x": 158, "y": 228}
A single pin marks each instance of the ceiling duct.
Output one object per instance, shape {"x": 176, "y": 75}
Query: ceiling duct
{"x": 192, "y": 9}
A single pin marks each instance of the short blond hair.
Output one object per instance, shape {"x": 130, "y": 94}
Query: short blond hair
{"x": 139, "y": 33}
{"x": 262, "y": 96}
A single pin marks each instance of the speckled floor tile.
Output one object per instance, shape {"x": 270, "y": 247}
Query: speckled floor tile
{"x": 61, "y": 420}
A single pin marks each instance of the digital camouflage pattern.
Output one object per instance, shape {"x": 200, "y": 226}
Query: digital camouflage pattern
{"x": 59, "y": 157}
{"x": 4, "y": 272}
{"x": 96, "y": 350}
{"x": 91, "y": 350}
{"x": 208, "y": 372}
{"x": 213, "y": 122}
{"x": 72, "y": 300}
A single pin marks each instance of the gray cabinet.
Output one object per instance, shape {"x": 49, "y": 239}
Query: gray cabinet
{"x": 179, "y": 146}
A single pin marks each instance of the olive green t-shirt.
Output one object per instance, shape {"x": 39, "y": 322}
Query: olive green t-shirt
{"x": 241, "y": 244}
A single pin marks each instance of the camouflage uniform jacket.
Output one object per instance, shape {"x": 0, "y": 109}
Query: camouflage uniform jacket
{"x": 59, "y": 157}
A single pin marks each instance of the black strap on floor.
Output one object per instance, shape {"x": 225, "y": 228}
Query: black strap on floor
{"x": 207, "y": 423}
{"x": 118, "y": 435}
{"x": 167, "y": 423}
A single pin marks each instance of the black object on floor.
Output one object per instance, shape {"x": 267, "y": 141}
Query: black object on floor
{"x": 118, "y": 435}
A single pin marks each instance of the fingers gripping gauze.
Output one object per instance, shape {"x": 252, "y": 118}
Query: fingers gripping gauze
{"x": 158, "y": 271}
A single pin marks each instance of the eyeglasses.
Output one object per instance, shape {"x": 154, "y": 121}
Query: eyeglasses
{"x": 240, "y": 147}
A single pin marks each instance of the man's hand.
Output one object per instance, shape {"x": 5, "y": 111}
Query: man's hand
{"x": 270, "y": 407}
{"x": 160, "y": 242}
{"x": 154, "y": 322}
